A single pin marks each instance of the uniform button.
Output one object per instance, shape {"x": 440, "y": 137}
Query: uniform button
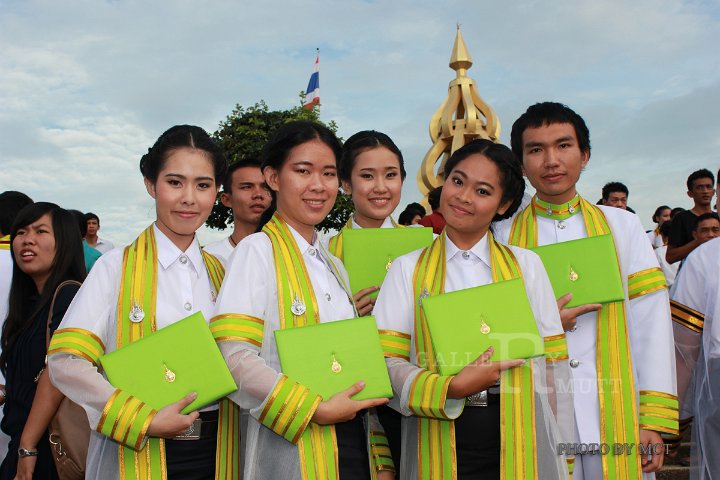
{"x": 573, "y": 328}
{"x": 465, "y": 255}
{"x": 183, "y": 259}
{"x": 561, "y": 225}
{"x": 574, "y": 363}
{"x": 188, "y": 306}
{"x": 327, "y": 295}
{"x": 311, "y": 251}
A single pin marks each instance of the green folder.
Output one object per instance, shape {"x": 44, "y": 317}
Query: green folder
{"x": 163, "y": 367}
{"x": 464, "y": 323}
{"x": 588, "y": 268}
{"x": 330, "y": 357}
{"x": 368, "y": 252}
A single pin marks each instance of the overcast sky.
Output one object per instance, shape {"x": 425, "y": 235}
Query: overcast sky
{"x": 87, "y": 86}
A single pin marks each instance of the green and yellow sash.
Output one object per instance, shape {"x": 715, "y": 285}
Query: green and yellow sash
{"x": 335, "y": 244}
{"x": 619, "y": 421}
{"x": 5, "y": 242}
{"x": 125, "y": 418}
{"x": 436, "y": 432}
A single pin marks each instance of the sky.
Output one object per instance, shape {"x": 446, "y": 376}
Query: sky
{"x": 86, "y": 87}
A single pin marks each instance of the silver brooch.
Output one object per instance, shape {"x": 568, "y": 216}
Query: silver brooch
{"x": 571, "y": 209}
{"x": 549, "y": 211}
{"x": 136, "y": 313}
{"x": 424, "y": 294}
{"x": 297, "y": 307}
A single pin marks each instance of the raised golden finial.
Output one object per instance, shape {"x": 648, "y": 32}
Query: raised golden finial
{"x": 462, "y": 117}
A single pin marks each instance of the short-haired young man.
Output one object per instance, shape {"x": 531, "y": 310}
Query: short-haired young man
{"x": 615, "y": 194}
{"x": 701, "y": 188}
{"x": 248, "y": 196}
{"x": 621, "y": 354}
{"x": 92, "y": 239}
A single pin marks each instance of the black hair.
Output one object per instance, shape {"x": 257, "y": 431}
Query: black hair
{"x": 511, "y": 178}
{"x": 612, "y": 187}
{"x": 68, "y": 264}
{"x": 11, "y": 202}
{"x": 665, "y": 228}
{"x": 675, "y": 211}
{"x": 182, "y": 136}
{"x": 407, "y": 215}
{"x": 697, "y": 175}
{"x": 658, "y": 212}
{"x": 295, "y": 133}
{"x": 249, "y": 162}
{"x": 703, "y": 217}
{"x": 548, "y": 113}
{"x": 434, "y": 197}
{"x": 362, "y": 142}
{"x": 91, "y": 216}
{"x": 417, "y": 207}
{"x": 82, "y": 223}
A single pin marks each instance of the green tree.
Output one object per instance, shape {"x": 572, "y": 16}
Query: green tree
{"x": 243, "y": 135}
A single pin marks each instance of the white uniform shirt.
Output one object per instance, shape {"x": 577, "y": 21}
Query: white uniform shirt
{"x": 183, "y": 288}
{"x": 669, "y": 269}
{"x": 395, "y": 310}
{"x": 647, "y": 317}
{"x": 102, "y": 246}
{"x": 222, "y": 249}
{"x": 250, "y": 288}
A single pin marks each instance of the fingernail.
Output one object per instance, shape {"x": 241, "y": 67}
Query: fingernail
{"x": 361, "y": 383}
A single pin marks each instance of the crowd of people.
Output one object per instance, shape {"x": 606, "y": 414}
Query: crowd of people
{"x": 634, "y": 371}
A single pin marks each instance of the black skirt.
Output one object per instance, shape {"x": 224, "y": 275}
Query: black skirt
{"x": 477, "y": 441}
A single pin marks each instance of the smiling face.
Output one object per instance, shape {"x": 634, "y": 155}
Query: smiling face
{"x": 306, "y": 185}
{"x": 249, "y": 195}
{"x": 471, "y": 197}
{"x": 375, "y": 185}
{"x": 34, "y": 249}
{"x": 184, "y": 194}
{"x": 552, "y": 161}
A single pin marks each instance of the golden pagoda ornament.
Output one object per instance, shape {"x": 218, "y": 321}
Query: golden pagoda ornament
{"x": 462, "y": 117}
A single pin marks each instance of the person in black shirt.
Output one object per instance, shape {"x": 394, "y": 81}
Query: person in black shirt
{"x": 701, "y": 188}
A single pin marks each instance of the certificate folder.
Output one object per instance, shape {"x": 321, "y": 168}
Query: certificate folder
{"x": 330, "y": 357}
{"x": 164, "y": 366}
{"x": 369, "y": 252}
{"x": 464, "y": 323}
{"x": 587, "y": 268}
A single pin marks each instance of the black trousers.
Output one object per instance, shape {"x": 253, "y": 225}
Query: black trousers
{"x": 391, "y": 421}
{"x": 477, "y": 440}
{"x": 353, "y": 458}
{"x": 194, "y": 459}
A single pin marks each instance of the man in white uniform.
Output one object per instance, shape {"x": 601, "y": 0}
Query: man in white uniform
{"x": 248, "y": 196}
{"x": 621, "y": 353}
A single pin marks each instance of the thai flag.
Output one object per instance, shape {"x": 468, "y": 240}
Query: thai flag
{"x": 312, "y": 94}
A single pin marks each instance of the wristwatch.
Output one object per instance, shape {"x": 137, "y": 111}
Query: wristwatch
{"x": 24, "y": 452}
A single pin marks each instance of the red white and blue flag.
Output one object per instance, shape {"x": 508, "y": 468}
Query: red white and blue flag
{"x": 312, "y": 94}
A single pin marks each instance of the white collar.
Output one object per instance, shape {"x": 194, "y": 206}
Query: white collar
{"x": 168, "y": 253}
{"x": 480, "y": 250}
{"x": 303, "y": 244}
{"x": 387, "y": 223}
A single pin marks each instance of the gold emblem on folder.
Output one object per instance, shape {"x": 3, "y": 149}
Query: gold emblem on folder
{"x": 336, "y": 367}
{"x": 169, "y": 374}
{"x": 389, "y": 262}
{"x": 573, "y": 275}
{"x": 484, "y": 327}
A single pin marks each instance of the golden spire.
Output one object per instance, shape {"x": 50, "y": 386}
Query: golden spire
{"x": 462, "y": 117}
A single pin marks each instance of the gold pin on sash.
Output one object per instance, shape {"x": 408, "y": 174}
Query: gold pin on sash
{"x": 169, "y": 374}
{"x": 573, "y": 275}
{"x": 336, "y": 367}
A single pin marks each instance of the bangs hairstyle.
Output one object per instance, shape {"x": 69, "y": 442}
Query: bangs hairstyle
{"x": 511, "y": 178}
{"x": 68, "y": 264}
{"x": 362, "y": 142}
{"x": 295, "y": 133}
{"x": 548, "y": 113}
{"x": 250, "y": 162}
{"x": 177, "y": 137}
{"x": 658, "y": 212}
